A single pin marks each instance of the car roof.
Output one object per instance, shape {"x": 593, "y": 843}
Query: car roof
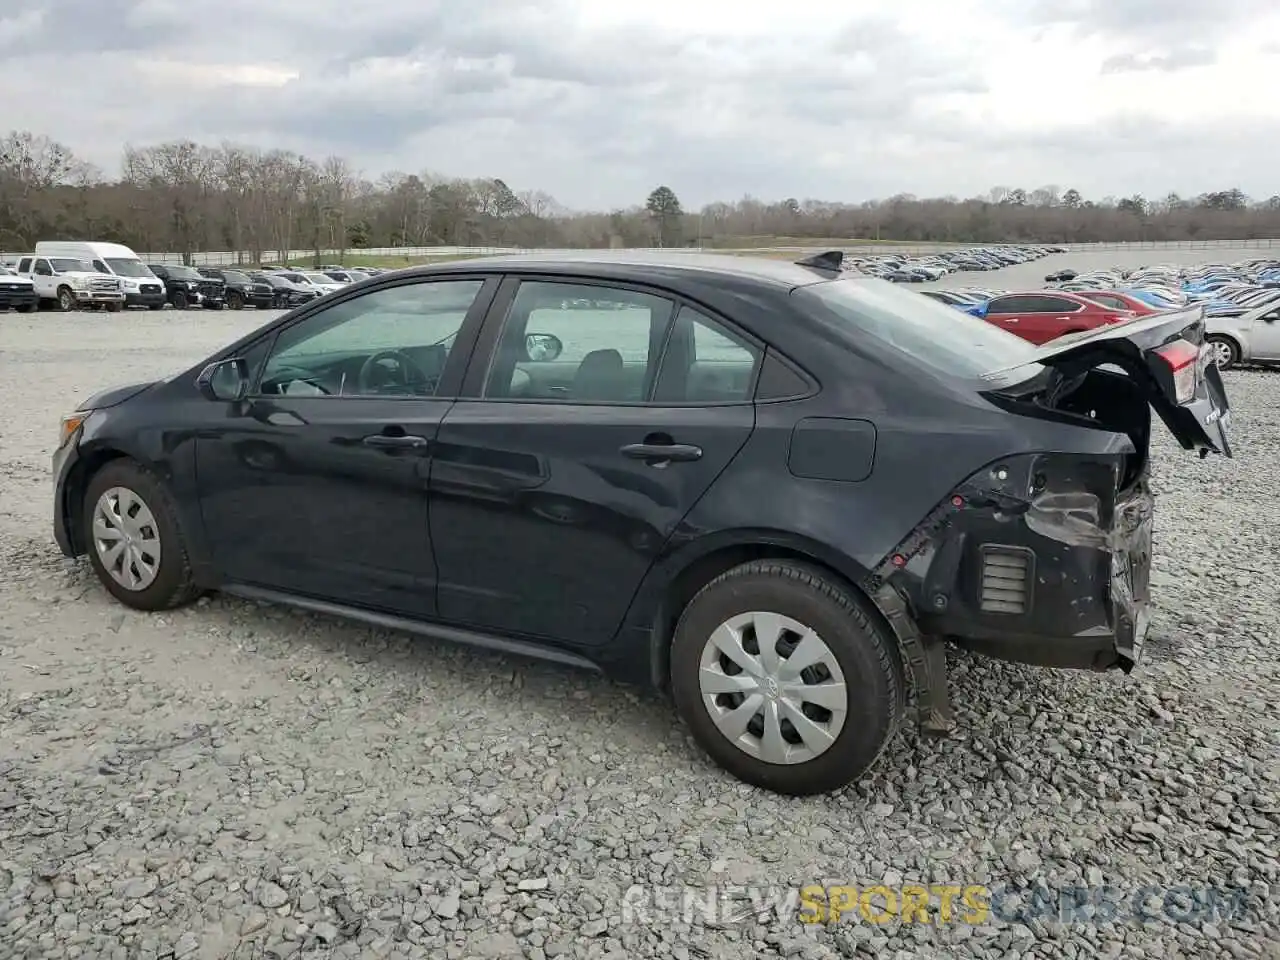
{"x": 639, "y": 265}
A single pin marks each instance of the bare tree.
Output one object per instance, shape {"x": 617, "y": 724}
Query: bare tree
{"x": 184, "y": 197}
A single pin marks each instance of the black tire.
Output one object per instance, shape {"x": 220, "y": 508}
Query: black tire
{"x": 174, "y": 583}
{"x": 235, "y": 300}
{"x": 214, "y": 306}
{"x": 865, "y": 652}
{"x": 155, "y": 306}
{"x": 114, "y": 307}
{"x": 27, "y": 308}
{"x": 1226, "y": 352}
{"x": 179, "y": 301}
{"x": 66, "y": 299}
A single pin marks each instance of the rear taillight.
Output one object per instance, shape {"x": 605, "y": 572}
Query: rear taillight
{"x": 1185, "y": 363}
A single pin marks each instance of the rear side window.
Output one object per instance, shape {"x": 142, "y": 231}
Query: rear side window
{"x": 948, "y": 340}
{"x": 1115, "y": 303}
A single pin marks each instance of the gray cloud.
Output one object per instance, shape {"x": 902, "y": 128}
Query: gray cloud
{"x": 594, "y": 113}
{"x": 1171, "y": 62}
{"x": 1154, "y": 20}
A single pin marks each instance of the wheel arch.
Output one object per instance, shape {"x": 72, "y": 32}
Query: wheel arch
{"x": 81, "y": 474}
{"x": 674, "y": 581}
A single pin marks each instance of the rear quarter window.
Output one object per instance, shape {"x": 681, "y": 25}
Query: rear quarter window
{"x": 950, "y": 341}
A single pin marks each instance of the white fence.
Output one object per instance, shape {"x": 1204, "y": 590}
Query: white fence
{"x": 231, "y": 257}
{"x": 215, "y": 258}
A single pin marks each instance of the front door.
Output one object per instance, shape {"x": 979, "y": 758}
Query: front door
{"x": 317, "y": 484}
{"x": 600, "y": 416}
{"x": 1264, "y": 337}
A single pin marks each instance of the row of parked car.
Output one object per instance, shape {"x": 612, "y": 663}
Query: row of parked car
{"x": 1241, "y": 303}
{"x": 901, "y": 269}
{"x": 71, "y": 275}
{"x": 267, "y": 287}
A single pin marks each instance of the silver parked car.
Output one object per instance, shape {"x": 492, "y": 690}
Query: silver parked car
{"x": 1252, "y": 337}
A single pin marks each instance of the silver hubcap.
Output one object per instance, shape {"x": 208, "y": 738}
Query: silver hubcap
{"x": 126, "y": 538}
{"x": 773, "y": 688}
{"x": 1221, "y": 353}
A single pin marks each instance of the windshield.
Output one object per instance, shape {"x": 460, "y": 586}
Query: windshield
{"x": 319, "y": 278}
{"x": 185, "y": 273}
{"x": 68, "y": 265}
{"x": 123, "y": 267}
{"x": 948, "y": 340}
{"x": 235, "y": 276}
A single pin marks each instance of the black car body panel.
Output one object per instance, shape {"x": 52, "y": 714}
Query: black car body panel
{"x": 241, "y": 286}
{"x": 518, "y": 520}
{"x": 188, "y": 287}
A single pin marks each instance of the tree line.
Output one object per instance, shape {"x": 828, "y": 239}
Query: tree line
{"x": 184, "y": 197}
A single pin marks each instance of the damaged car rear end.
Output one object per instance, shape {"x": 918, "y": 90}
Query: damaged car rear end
{"x": 1044, "y": 556}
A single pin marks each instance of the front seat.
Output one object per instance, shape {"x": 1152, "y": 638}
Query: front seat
{"x": 599, "y": 377}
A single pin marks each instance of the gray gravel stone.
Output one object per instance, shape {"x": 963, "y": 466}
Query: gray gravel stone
{"x": 232, "y": 780}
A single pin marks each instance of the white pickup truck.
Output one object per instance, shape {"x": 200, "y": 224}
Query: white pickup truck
{"x": 71, "y": 283}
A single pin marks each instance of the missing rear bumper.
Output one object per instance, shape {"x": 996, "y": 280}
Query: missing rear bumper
{"x": 1037, "y": 559}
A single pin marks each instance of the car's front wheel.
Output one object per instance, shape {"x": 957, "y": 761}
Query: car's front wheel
{"x": 784, "y": 678}
{"x": 134, "y": 539}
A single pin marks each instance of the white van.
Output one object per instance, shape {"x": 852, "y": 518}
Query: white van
{"x": 142, "y": 288}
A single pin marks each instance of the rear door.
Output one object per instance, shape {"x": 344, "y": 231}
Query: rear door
{"x": 594, "y": 416}
{"x": 1049, "y": 317}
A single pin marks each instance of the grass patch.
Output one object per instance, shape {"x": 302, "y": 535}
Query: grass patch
{"x": 826, "y": 243}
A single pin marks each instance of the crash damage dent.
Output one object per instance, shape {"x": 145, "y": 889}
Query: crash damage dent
{"x": 1041, "y": 558}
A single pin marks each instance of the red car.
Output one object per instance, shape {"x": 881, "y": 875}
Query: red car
{"x": 1041, "y": 317}
{"x": 1121, "y": 301}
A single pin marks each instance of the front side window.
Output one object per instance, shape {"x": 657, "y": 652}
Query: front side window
{"x": 392, "y": 342}
{"x": 578, "y": 343}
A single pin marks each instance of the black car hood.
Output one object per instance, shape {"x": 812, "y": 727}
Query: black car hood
{"x": 115, "y": 395}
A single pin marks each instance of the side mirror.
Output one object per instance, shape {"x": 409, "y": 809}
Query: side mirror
{"x": 224, "y": 381}
{"x": 540, "y": 347}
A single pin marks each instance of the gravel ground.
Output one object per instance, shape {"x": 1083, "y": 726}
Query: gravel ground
{"x": 233, "y": 780}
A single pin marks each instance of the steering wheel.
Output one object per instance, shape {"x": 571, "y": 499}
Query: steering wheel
{"x": 409, "y": 371}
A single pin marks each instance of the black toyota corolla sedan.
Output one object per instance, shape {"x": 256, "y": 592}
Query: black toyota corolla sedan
{"x": 773, "y": 490}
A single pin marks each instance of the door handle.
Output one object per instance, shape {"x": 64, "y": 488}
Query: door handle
{"x": 385, "y": 441}
{"x": 659, "y": 452}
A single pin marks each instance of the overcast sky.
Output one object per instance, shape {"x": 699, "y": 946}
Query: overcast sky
{"x": 598, "y": 101}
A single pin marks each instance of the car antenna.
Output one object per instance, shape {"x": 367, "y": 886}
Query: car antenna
{"x": 829, "y": 261}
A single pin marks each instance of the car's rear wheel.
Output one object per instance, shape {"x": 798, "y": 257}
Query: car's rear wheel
{"x": 235, "y": 300}
{"x": 1224, "y": 351}
{"x": 784, "y": 678}
{"x": 134, "y": 539}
